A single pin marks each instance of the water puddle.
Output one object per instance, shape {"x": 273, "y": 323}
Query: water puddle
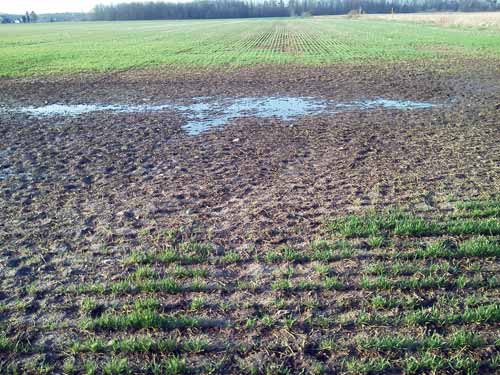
{"x": 203, "y": 117}
{"x": 74, "y": 110}
{"x": 206, "y": 116}
{"x": 208, "y": 113}
{"x": 386, "y": 103}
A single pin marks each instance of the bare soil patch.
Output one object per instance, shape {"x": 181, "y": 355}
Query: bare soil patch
{"x": 79, "y": 195}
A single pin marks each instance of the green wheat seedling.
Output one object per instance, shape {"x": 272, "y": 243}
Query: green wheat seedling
{"x": 367, "y": 366}
{"x": 116, "y": 366}
{"x": 142, "y": 319}
{"x": 140, "y": 344}
{"x": 65, "y": 48}
{"x": 459, "y": 340}
{"x": 481, "y": 314}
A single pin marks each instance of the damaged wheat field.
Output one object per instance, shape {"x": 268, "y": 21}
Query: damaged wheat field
{"x": 282, "y": 196}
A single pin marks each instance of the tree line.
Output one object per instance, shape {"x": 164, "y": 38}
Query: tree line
{"x": 209, "y": 9}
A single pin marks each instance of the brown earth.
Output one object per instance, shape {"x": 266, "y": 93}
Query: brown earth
{"x": 71, "y": 187}
{"x": 257, "y": 180}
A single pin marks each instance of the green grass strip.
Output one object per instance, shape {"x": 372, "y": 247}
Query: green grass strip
{"x": 142, "y": 319}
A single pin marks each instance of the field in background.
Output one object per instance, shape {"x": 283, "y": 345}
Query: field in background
{"x": 475, "y": 19}
{"x": 43, "y": 49}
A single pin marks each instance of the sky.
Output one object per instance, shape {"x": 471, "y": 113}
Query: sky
{"x": 49, "y": 6}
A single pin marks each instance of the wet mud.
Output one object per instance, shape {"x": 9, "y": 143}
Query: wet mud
{"x": 206, "y": 113}
{"x": 284, "y": 162}
{"x": 79, "y": 188}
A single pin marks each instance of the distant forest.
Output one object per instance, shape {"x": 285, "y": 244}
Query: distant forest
{"x": 205, "y": 9}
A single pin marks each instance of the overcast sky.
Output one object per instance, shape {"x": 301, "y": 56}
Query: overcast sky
{"x": 49, "y": 6}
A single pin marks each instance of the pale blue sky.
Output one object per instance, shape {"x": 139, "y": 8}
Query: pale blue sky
{"x": 50, "y": 6}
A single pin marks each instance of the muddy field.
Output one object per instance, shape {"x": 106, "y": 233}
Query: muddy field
{"x": 257, "y": 178}
{"x": 80, "y": 194}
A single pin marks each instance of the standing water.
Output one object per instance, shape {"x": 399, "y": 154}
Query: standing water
{"x": 208, "y": 113}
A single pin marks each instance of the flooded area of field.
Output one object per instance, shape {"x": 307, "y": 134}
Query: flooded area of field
{"x": 205, "y": 116}
{"x": 206, "y": 113}
{"x": 74, "y": 110}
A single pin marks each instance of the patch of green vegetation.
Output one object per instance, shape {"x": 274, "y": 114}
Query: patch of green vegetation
{"x": 459, "y": 340}
{"x": 328, "y": 344}
{"x": 489, "y": 226}
{"x": 495, "y": 362}
{"x": 429, "y": 361}
{"x": 93, "y": 288}
{"x": 90, "y": 367}
{"x": 376, "y": 365}
{"x": 419, "y": 282}
{"x": 174, "y": 365}
{"x": 147, "y": 303}
{"x": 144, "y": 272}
{"x": 116, "y": 366}
{"x": 292, "y": 255}
{"x": 328, "y": 283}
{"x": 398, "y": 268}
{"x": 88, "y": 304}
{"x": 197, "y": 303}
{"x": 380, "y": 302}
{"x": 414, "y": 226}
{"x": 282, "y": 284}
{"x": 286, "y": 254}
{"x": 55, "y": 48}
{"x": 230, "y": 257}
{"x": 480, "y": 314}
{"x": 14, "y": 346}
{"x": 479, "y": 246}
{"x": 328, "y": 251}
{"x": 183, "y": 272}
{"x": 376, "y": 241}
{"x": 378, "y": 225}
{"x": 190, "y": 252}
{"x": 479, "y": 209}
{"x": 368, "y": 318}
{"x": 5, "y": 344}
{"x": 356, "y": 226}
{"x": 332, "y": 283}
{"x": 142, "y": 319}
{"x": 69, "y": 365}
